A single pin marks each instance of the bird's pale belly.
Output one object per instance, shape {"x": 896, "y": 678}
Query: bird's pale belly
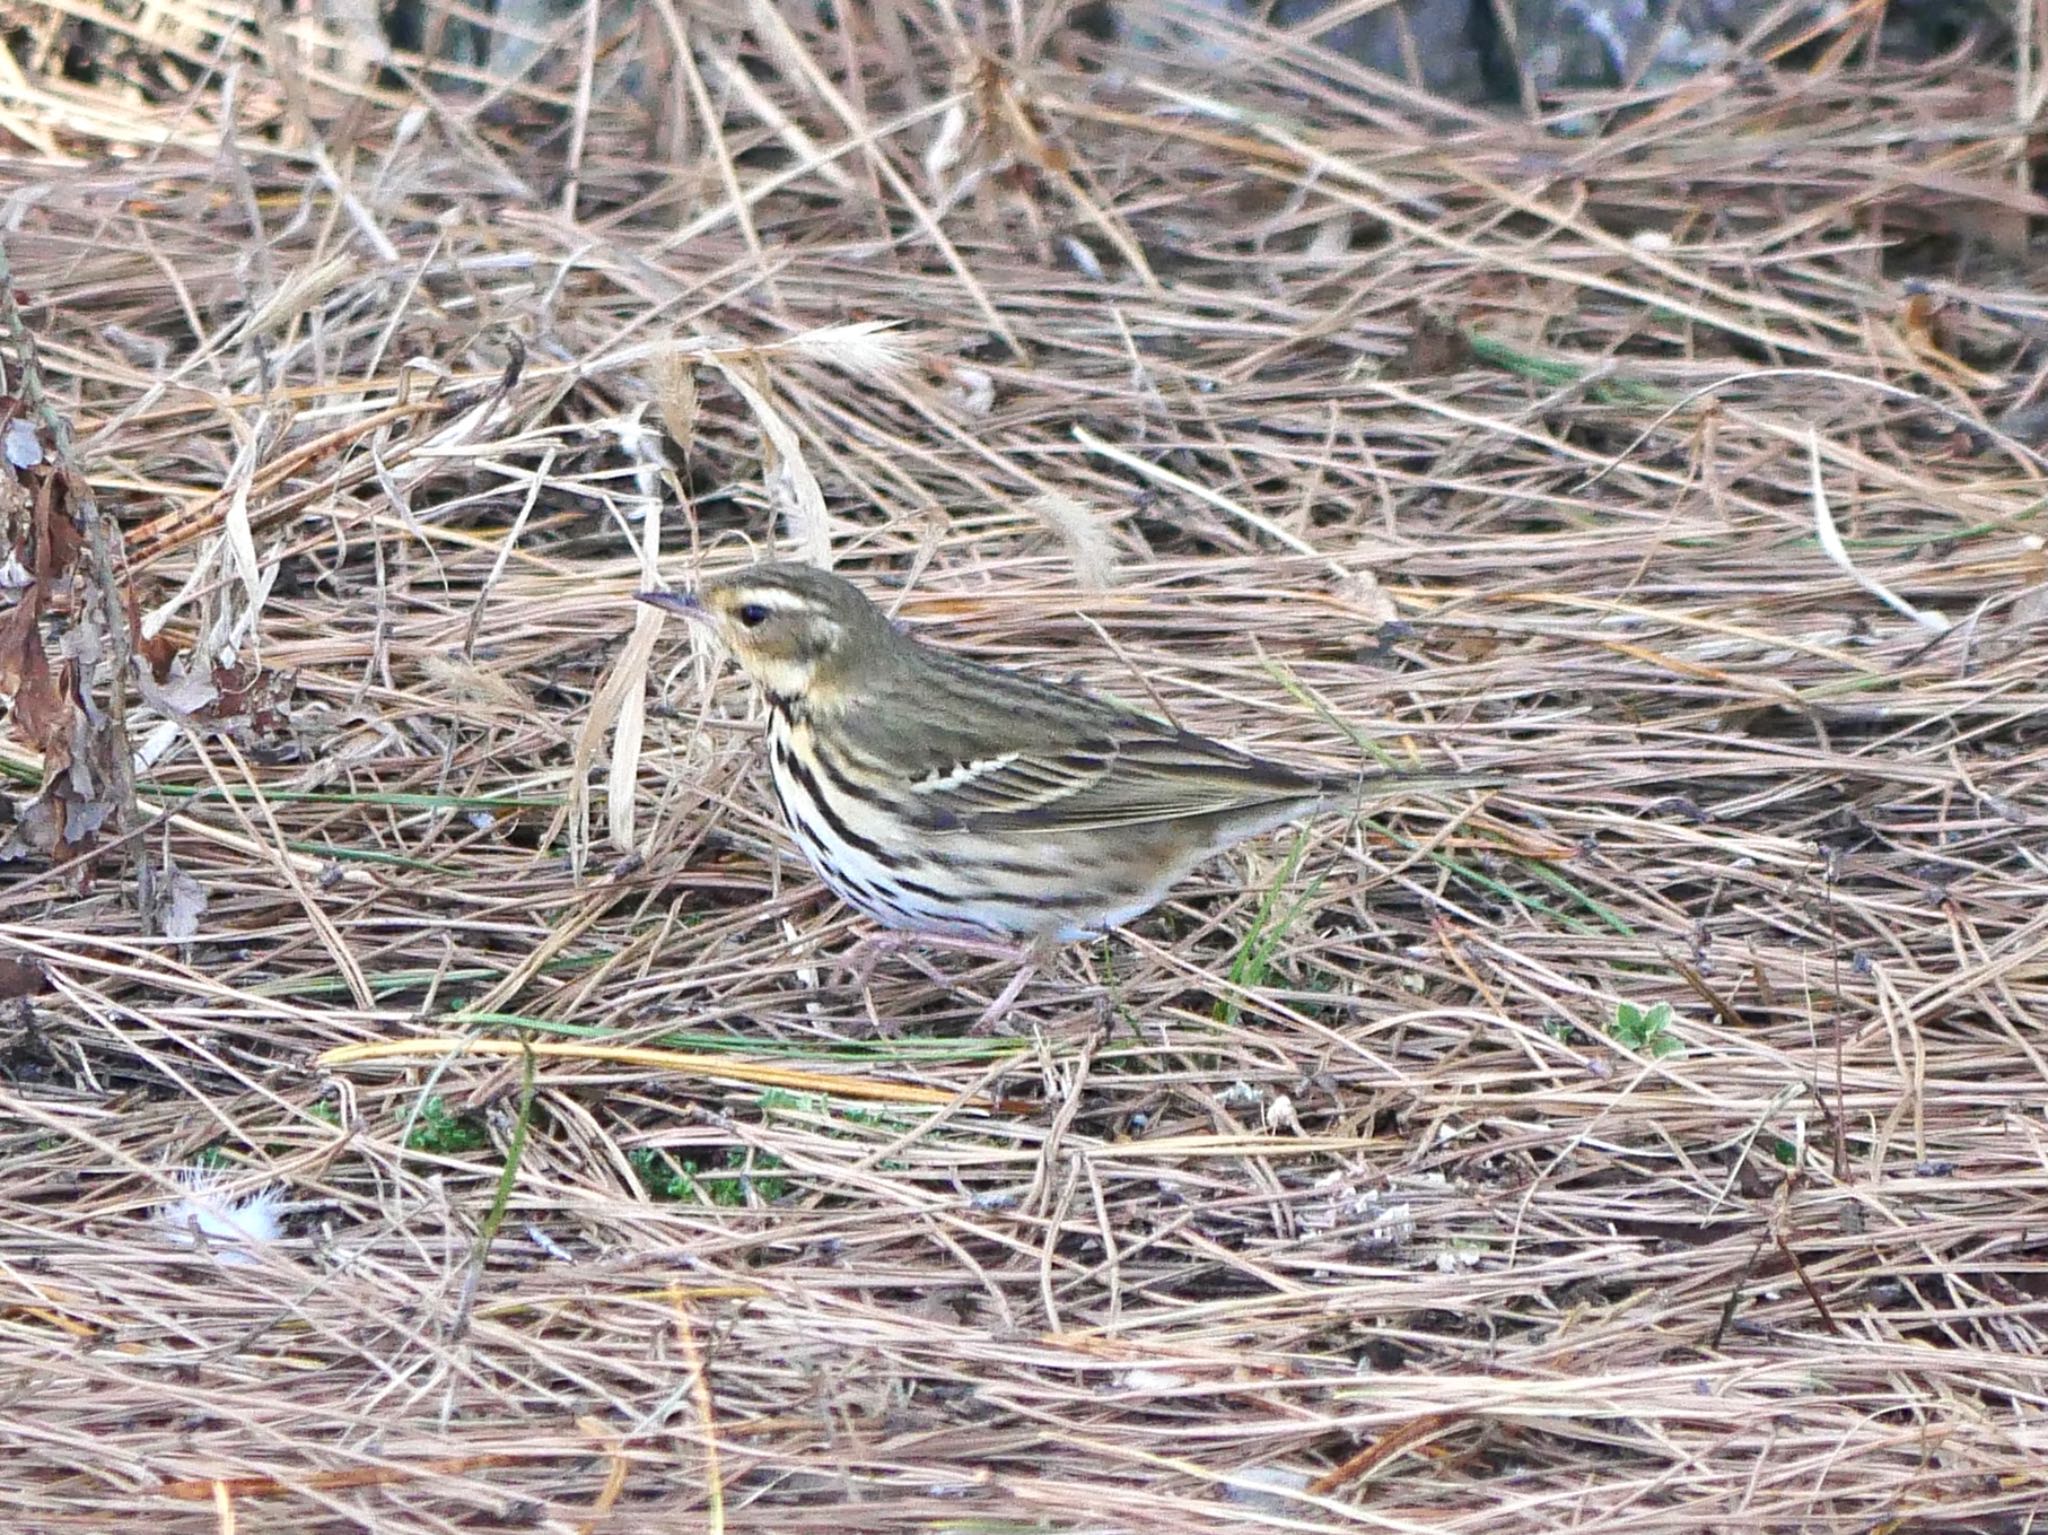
{"x": 962, "y": 884}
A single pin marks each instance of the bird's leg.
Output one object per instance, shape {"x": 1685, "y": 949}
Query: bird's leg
{"x": 885, "y": 1028}
{"x": 992, "y": 1015}
{"x": 869, "y": 948}
{"x": 859, "y": 962}
{"x": 1031, "y": 958}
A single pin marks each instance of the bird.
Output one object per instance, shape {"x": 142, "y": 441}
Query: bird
{"x": 964, "y": 803}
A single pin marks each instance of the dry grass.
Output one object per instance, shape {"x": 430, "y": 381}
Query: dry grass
{"x": 1330, "y": 1198}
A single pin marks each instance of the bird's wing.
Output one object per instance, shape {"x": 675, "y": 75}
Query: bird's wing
{"x": 1046, "y": 760}
{"x": 1141, "y": 782}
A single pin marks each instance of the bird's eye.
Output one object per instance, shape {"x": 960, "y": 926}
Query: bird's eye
{"x": 752, "y": 615}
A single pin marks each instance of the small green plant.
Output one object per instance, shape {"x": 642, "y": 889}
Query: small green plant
{"x": 778, "y": 1100}
{"x": 1646, "y": 1030}
{"x": 1255, "y": 955}
{"x": 664, "y": 1177}
{"x": 443, "y": 1131}
{"x": 815, "y": 1106}
{"x": 659, "y": 1175}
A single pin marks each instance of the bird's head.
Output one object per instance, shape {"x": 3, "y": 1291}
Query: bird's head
{"x": 799, "y": 633}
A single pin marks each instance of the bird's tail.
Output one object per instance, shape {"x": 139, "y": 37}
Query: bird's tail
{"x": 1377, "y": 785}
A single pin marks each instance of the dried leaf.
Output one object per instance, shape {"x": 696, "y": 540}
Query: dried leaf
{"x": 58, "y": 541}
{"x": 1832, "y": 546}
{"x": 1438, "y": 345}
{"x": 792, "y": 489}
{"x": 630, "y": 679}
{"x": 179, "y": 902}
{"x": 183, "y": 695}
{"x": 20, "y": 978}
{"x": 947, "y": 146}
{"x": 158, "y": 651}
{"x": 40, "y": 712}
{"x": 248, "y": 692}
{"x": 2029, "y": 608}
{"x": 1929, "y": 333}
{"x": 1361, "y": 589}
{"x": 37, "y": 831}
{"x": 19, "y": 443}
{"x": 971, "y": 391}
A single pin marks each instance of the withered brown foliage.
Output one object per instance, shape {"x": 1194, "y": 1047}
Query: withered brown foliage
{"x": 60, "y": 586}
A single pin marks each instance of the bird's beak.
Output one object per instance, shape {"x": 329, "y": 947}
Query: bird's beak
{"x": 684, "y": 604}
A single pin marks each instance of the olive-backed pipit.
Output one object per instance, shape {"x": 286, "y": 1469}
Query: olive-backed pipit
{"x": 945, "y": 797}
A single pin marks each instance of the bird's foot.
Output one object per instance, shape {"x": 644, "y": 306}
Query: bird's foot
{"x": 869, "y": 949}
{"x": 992, "y": 1016}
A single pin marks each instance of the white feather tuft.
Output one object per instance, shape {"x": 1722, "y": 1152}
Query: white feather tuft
{"x": 231, "y": 1226}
